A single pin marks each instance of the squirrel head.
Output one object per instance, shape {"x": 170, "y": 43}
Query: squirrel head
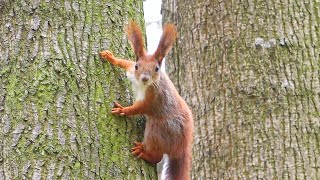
{"x": 147, "y": 68}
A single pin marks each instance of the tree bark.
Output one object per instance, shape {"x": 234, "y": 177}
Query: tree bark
{"x": 250, "y": 72}
{"x": 56, "y": 94}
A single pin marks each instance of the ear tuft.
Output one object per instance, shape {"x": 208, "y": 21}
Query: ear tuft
{"x": 134, "y": 34}
{"x": 166, "y": 41}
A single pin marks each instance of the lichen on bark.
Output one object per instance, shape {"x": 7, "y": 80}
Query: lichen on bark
{"x": 56, "y": 94}
{"x": 250, "y": 72}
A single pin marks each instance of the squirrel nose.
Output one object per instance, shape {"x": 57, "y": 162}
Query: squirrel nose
{"x": 145, "y": 77}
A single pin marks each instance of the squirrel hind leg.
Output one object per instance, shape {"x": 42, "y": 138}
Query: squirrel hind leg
{"x": 151, "y": 157}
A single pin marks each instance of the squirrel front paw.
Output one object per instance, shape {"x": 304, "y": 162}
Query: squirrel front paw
{"x": 117, "y": 109}
{"x": 106, "y": 55}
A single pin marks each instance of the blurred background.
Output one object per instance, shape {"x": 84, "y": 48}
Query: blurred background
{"x": 153, "y": 19}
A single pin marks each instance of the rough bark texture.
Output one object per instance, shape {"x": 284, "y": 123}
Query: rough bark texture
{"x": 56, "y": 94}
{"x": 250, "y": 71}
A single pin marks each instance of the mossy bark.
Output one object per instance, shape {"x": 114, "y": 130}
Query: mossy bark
{"x": 56, "y": 94}
{"x": 250, "y": 72}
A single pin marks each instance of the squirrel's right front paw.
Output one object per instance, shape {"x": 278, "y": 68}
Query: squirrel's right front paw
{"x": 106, "y": 55}
{"x": 117, "y": 109}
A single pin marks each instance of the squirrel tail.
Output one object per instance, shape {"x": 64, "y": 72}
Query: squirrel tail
{"x": 178, "y": 168}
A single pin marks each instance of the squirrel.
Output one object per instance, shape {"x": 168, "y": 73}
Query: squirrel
{"x": 169, "y": 125}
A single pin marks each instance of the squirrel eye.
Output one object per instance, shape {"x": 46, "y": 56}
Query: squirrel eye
{"x": 136, "y": 66}
{"x": 157, "y": 69}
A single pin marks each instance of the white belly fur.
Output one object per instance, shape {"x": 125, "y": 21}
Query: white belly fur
{"x": 138, "y": 88}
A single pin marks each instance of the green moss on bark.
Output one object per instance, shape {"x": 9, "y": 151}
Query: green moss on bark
{"x": 56, "y": 94}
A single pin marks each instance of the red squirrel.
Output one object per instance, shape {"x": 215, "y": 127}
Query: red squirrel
{"x": 169, "y": 125}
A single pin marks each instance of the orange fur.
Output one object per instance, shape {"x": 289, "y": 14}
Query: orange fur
{"x": 125, "y": 64}
{"x": 169, "y": 126}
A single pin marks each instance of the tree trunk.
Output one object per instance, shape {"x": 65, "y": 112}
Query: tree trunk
{"x": 250, "y": 72}
{"x": 56, "y": 94}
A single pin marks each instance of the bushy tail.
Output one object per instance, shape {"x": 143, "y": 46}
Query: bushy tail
{"x": 178, "y": 168}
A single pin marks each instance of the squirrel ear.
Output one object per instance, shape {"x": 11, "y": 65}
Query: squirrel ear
{"x": 135, "y": 37}
{"x": 167, "y": 39}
